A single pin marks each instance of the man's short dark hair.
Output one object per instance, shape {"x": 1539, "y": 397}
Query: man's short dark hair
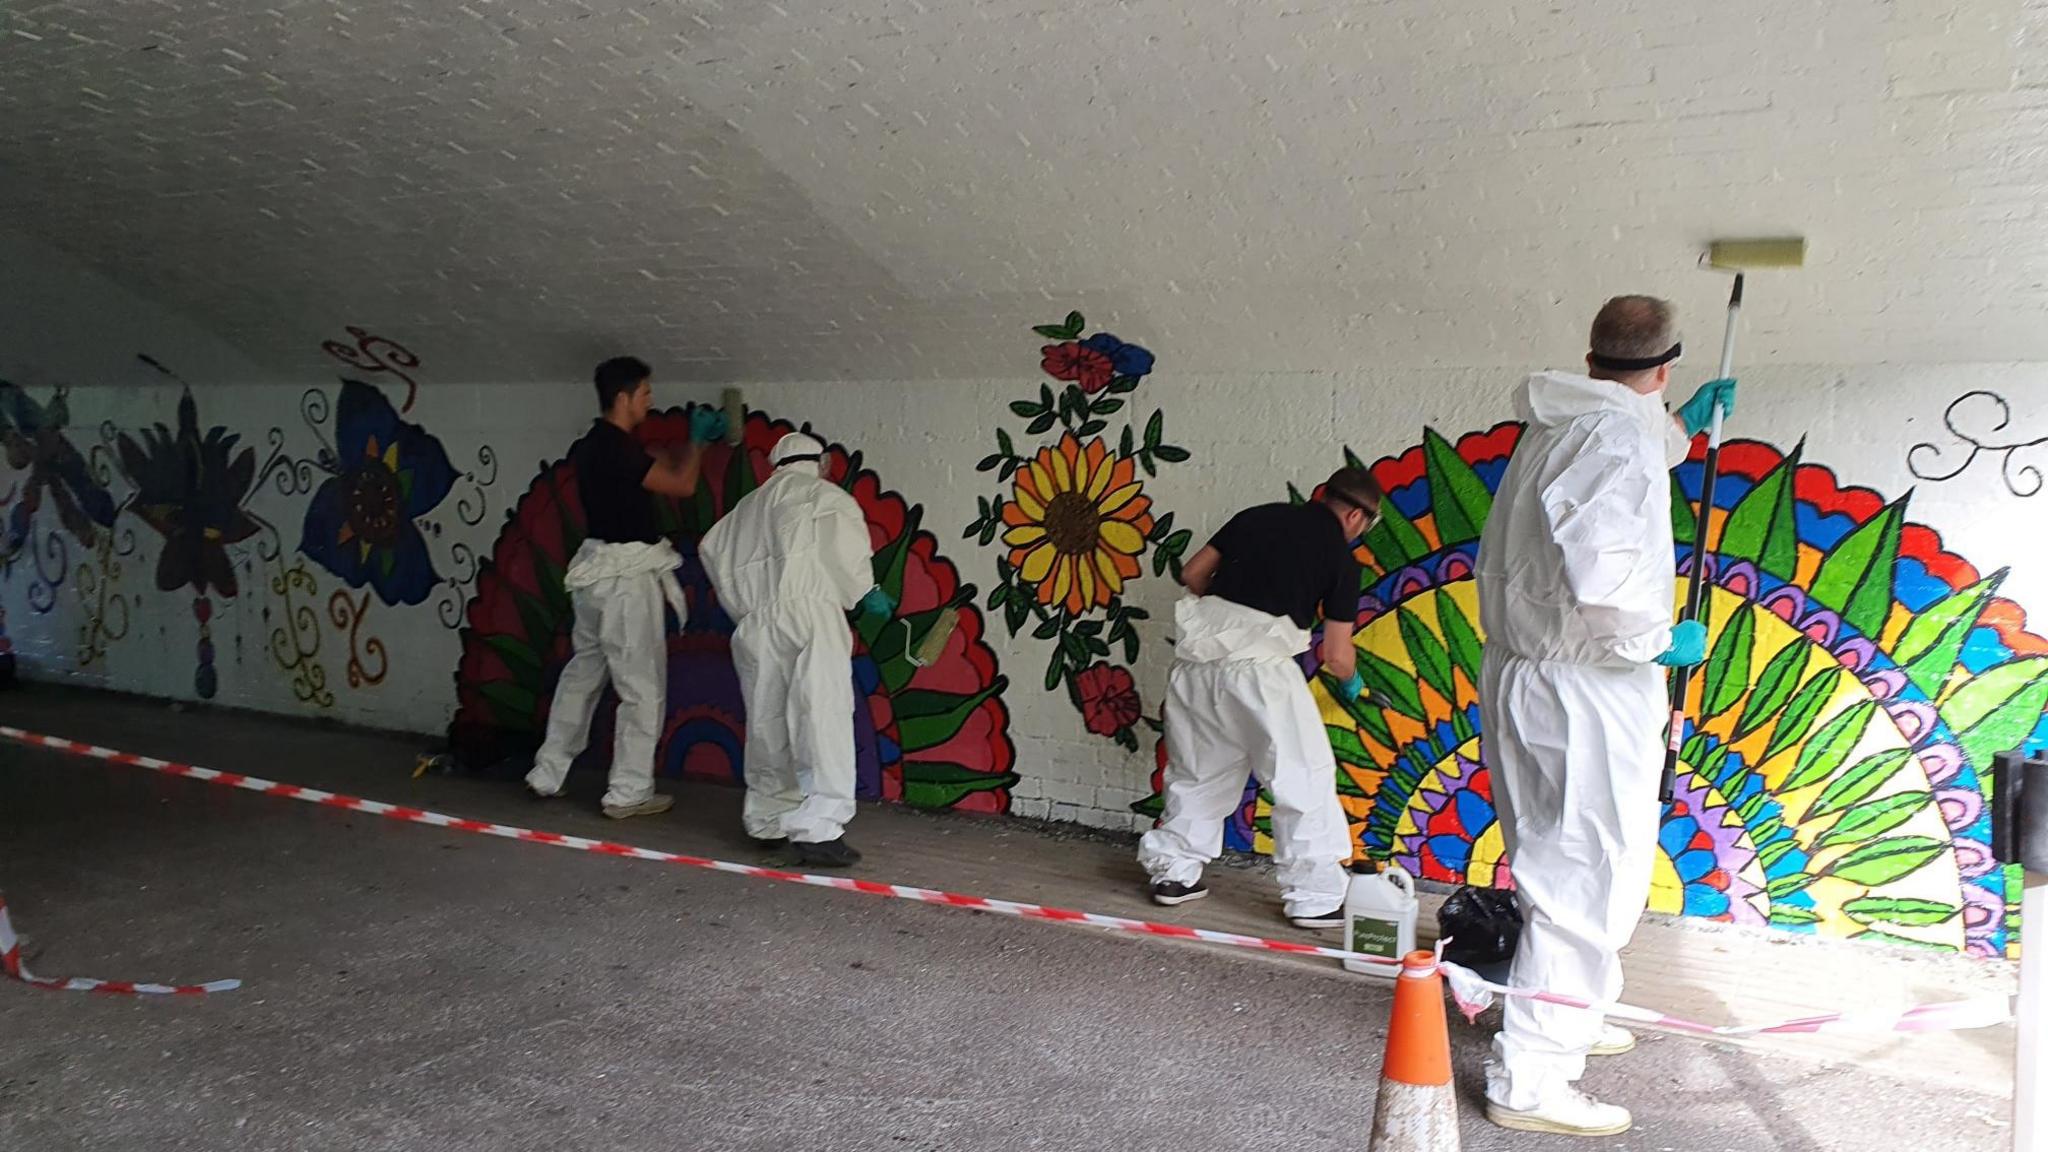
{"x": 1633, "y": 328}
{"x": 1354, "y": 487}
{"x": 617, "y": 377}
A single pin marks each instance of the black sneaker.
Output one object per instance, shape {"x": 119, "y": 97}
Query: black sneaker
{"x": 770, "y": 843}
{"x": 826, "y": 854}
{"x": 1170, "y": 892}
{"x": 1334, "y": 918}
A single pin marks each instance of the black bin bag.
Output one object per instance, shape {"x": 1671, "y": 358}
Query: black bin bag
{"x": 1483, "y": 926}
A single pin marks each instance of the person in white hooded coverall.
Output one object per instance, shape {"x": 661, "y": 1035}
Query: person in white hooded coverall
{"x": 1576, "y": 581}
{"x": 620, "y": 577}
{"x": 788, "y": 562}
{"x": 1237, "y": 703}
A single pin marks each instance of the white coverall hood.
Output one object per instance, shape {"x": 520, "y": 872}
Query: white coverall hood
{"x": 1576, "y": 594}
{"x": 788, "y": 562}
{"x": 792, "y": 448}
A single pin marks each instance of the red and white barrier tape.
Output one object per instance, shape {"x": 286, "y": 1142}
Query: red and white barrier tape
{"x": 1472, "y": 993}
{"x": 11, "y": 966}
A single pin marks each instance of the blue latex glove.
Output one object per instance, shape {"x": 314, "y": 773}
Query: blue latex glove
{"x": 1697, "y": 414}
{"x": 877, "y": 603}
{"x": 1353, "y": 688}
{"x": 707, "y": 425}
{"x": 1688, "y": 645}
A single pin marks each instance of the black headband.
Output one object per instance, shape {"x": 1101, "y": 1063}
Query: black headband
{"x": 799, "y": 459}
{"x": 1640, "y": 364}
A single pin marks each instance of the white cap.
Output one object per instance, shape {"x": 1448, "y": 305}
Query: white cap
{"x": 796, "y": 445}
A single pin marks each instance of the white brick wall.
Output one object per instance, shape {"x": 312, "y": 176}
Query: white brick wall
{"x": 1335, "y": 224}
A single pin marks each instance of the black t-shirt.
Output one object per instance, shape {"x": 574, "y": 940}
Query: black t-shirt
{"x": 1288, "y": 560}
{"x": 610, "y": 465}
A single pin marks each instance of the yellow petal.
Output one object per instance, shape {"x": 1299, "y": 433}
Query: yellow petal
{"x": 1037, "y": 564}
{"x": 391, "y": 456}
{"x": 1062, "y": 473}
{"x": 1084, "y": 569}
{"x": 1041, "y": 478}
{"x": 1118, "y": 498}
{"x": 1023, "y": 534}
{"x": 1028, "y": 503}
{"x": 1062, "y": 578}
{"x": 1122, "y": 537}
{"x": 1105, "y": 564}
{"x": 1098, "y": 479}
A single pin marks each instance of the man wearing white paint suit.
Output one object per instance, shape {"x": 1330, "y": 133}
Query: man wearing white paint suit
{"x": 1576, "y": 594}
{"x": 790, "y": 560}
{"x": 1237, "y": 702}
{"x": 618, "y": 581}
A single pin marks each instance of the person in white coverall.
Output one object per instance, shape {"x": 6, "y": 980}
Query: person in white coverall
{"x": 1237, "y": 703}
{"x": 618, "y": 581}
{"x": 1576, "y": 594}
{"x": 790, "y": 560}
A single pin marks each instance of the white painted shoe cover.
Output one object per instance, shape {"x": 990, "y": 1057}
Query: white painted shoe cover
{"x": 1569, "y": 1113}
{"x": 1613, "y": 1041}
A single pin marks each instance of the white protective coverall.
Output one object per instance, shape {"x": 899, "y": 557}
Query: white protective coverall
{"x": 1576, "y": 593}
{"x": 789, "y": 561}
{"x": 617, "y": 591}
{"x": 1236, "y": 701}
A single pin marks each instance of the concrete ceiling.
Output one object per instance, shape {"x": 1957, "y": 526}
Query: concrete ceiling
{"x": 753, "y": 190}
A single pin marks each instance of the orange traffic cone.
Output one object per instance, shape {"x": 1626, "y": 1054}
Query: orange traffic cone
{"x": 1417, "y": 1110}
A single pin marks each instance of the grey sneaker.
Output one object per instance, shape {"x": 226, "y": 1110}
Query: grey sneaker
{"x": 654, "y": 805}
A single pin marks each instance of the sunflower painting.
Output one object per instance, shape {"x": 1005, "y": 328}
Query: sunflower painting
{"x": 1077, "y": 524}
{"x": 1078, "y": 520}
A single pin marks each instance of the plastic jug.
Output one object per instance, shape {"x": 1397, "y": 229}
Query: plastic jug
{"x": 1379, "y": 917}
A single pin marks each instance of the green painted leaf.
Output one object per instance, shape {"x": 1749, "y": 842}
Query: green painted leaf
{"x": 1877, "y": 937}
{"x": 1151, "y": 806}
{"x": 1372, "y": 720}
{"x": 1345, "y": 743}
{"x": 1762, "y": 527}
{"x": 1859, "y": 782}
{"x": 942, "y": 785}
{"x": 1770, "y": 854}
{"x": 540, "y": 624}
{"x": 1390, "y": 685}
{"x": 1457, "y": 495}
{"x": 1395, "y": 542}
{"x": 1932, "y": 643}
{"x": 1076, "y": 323}
{"x": 1294, "y": 495}
{"x": 1998, "y": 710}
{"x": 1780, "y": 676}
{"x": 1467, "y": 650}
{"x": 1793, "y": 916}
{"x": 1882, "y": 862}
{"x": 1432, "y": 662}
{"x": 1804, "y": 708}
{"x": 518, "y": 656}
{"x": 1900, "y": 910}
{"x": 1050, "y": 331}
{"x": 1154, "y": 429}
{"x": 1856, "y": 577}
{"x": 515, "y": 705}
{"x": 1829, "y": 749}
{"x": 928, "y": 719}
{"x": 1684, "y": 519}
{"x": 1874, "y": 819}
{"x": 1728, "y": 664}
{"x": 1787, "y": 885}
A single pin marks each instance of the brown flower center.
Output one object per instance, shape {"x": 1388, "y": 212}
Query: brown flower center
{"x": 373, "y": 505}
{"x": 1073, "y": 524}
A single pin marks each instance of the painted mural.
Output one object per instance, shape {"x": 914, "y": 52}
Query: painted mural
{"x": 934, "y": 737}
{"x": 1859, "y": 679}
{"x": 49, "y": 468}
{"x": 1075, "y": 522}
{"x": 1980, "y": 424}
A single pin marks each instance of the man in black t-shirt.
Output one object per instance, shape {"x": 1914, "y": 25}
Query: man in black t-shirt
{"x": 1237, "y": 702}
{"x": 617, "y": 582}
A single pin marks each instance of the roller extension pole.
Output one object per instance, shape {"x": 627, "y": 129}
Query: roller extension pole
{"x": 1695, "y": 592}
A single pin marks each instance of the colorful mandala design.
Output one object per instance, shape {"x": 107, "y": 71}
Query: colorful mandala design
{"x": 1859, "y": 680}
{"x": 933, "y": 737}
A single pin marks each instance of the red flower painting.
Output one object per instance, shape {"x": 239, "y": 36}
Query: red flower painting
{"x": 1109, "y": 699}
{"x": 1088, "y": 367}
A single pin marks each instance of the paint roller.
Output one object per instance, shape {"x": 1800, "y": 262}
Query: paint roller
{"x": 735, "y": 416}
{"x": 927, "y": 650}
{"x": 1737, "y": 256}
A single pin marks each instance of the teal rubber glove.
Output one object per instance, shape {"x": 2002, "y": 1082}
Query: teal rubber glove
{"x": 1688, "y": 645}
{"x": 1697, "y": 414}
{"x": 707, "y": 425}
{"x": 877, "y": 603}
{"x": 1353, "y": 688}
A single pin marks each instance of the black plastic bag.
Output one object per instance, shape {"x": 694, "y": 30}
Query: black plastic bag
{"x": 1483, "y": 926}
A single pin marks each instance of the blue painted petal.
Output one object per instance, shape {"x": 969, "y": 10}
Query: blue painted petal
{"x": 404, "y": 572}
{"x": 1454, "y": 852}
{"x": 362, "y": 413}
{"x": 325, "y": 514}
{"x": 1693, "y": 865}
{"x": 432, "y": 475}
{"x": 1104, "y": 343}
{"x": 887, "y": 750}
{"x": 1131, "y": 360}
{"x": 1704, "y": 901}
{"x": 1675, "y": 835}
{"x": 1475, "y": 815}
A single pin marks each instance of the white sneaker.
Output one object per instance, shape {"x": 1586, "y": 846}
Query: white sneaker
{"x": 1613, "y": 1041}
{"x": 1569, "y": 1113}
{"x": 654, "y": 805}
